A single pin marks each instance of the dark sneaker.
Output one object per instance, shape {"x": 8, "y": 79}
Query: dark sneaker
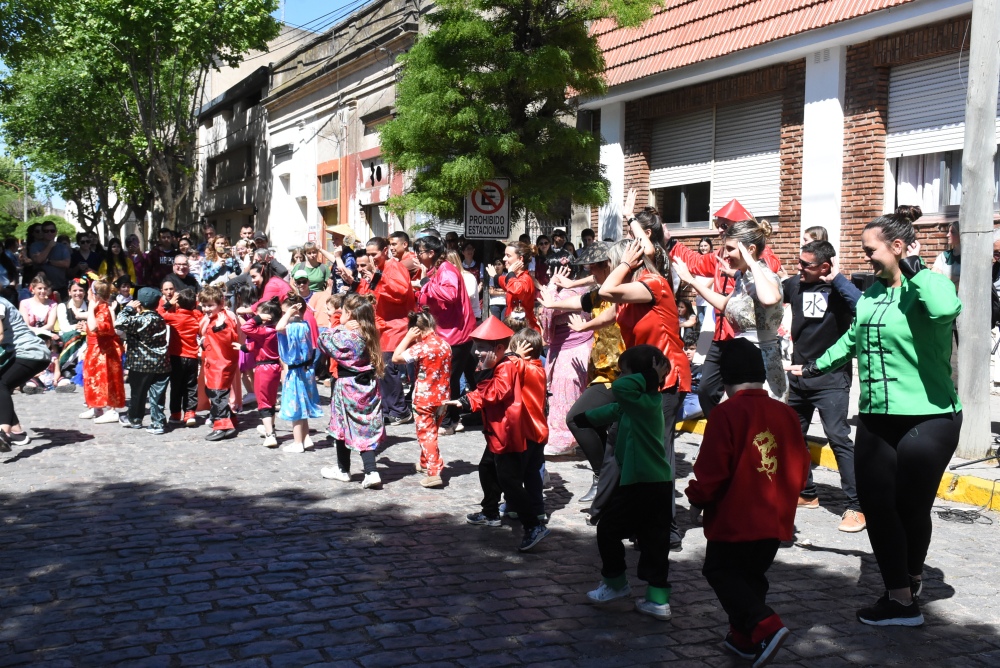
{"x": 482, "y": 520}
{"x": 4, "y": 441}
{"x": 768, "y": 647}
{"x": 534, "y": 537}
{"x": 391, "y": 421}
{"x": 741, "y": 648}
{"x": 19, "y": 439}
{"x": 155, "y": 430}
{"x": 887, "y": 612}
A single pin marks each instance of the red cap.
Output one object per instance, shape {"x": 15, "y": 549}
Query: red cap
{"x": 734, "y": 211}
{"x": 492, "y": 330}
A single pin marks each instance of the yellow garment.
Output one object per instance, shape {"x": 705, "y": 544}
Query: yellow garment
{"x": 103, "y": 270}
{"x": 608, "y": 345}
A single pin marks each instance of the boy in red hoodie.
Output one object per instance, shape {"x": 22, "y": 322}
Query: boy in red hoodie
{"x": 184, "y": 321}
{"x": 750, "y": 469}
{"x": 527, "y": 345}
{"x": 221, "y": 339}
{"x": 505, "y": 426}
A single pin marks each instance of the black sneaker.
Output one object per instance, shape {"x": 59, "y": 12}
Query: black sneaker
{"x": 768, "y": 647}
{"x": 480, "y": 519}
{"x": 4, "y": 441}
{"x": 19, "y": 439}
{"x": 391, "y": 421}
{"x": 887, "y": 612}
{"x": 741, "y": 648}
{"x": 534, "y": 537}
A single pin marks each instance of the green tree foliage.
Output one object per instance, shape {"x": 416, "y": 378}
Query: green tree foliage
{"x": 63, "y": 226}
{"x": 149, "y": 59}
{"x": 488, "y": 92}
{"x": 11, "y": 195}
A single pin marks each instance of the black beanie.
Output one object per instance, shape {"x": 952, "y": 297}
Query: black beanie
{"x": 741, "y": 362}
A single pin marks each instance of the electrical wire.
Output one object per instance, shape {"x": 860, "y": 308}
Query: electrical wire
{"x": 963, "y": 516}
{"x": 340, "y": 12}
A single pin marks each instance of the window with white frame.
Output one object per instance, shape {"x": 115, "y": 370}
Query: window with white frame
{"x": 702, "y": 160}
{"x": 925, "y": 132}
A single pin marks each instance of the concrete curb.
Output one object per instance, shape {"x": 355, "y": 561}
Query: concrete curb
{"x": 965, "y": 489}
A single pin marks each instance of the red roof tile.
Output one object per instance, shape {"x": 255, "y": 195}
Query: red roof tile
{"x": 688, "y": 31}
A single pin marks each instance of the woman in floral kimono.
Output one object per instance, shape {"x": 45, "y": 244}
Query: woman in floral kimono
{"x": 355, "y": 403}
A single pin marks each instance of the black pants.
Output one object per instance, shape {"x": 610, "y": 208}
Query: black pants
{"x": 641, "y": 510}
{"x": 534, "y": 458}
{"x": 610, "y": 474}
{"x": 738, "y": 574}
{"x": 219, "y": 412}
{"x": 832, "y": 404}
{"x": 13, "y": 377}
{"x": 143, "y": 387}
{"x": 504, "y": 474}
{"x": 592, "y": 440}
{"x": 344, "y": 458}
{"x": 710, "y": 389}
{"x": 183, "y": 384}
{"x": 899, "y": 461}
{"x": 391, "y": 388}
{"x": 460, "y": 357}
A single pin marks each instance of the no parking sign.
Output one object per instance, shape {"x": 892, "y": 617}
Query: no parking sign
{"x": 487, "y": 211}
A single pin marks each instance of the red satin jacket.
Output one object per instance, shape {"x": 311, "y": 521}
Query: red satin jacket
{"x": 533, "y": 396}
{"x": 520, "y": 291}
{"x": 501, "y": 399}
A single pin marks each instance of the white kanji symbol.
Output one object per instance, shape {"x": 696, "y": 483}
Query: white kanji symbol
{"x": 814, "y": 304}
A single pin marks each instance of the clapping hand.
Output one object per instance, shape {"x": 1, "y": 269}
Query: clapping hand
{"x": 629, "y": 208}
{"x": 682, "y": 271}
{"x": 560, "y": 277}
{"x": 491, "y": 270}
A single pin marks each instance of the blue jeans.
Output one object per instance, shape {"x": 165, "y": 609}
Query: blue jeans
{"x": 151, "y": 386}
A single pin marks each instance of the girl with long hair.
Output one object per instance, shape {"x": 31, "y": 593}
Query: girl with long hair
{"x": 356, "y": 421}
{"x": 117, "y": 263}
{"x": 72, "y": 318}
{"x": 219, "y": 266}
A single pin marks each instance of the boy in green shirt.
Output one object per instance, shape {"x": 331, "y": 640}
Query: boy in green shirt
{"x": 640, "y": 506}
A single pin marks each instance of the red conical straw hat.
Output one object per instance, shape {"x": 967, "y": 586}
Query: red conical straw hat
{"x": 734, "y": 211}
{"x": 492, "y": 330}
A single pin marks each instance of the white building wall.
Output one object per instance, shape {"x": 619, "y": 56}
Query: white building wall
{"x": 609, "y": 216}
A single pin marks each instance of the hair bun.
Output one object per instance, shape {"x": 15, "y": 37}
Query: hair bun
{"x": 765, "y": 228}
{"x": 911, "y": 212}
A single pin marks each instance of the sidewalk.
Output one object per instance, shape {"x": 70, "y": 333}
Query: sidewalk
{"x": 975, "y": 485}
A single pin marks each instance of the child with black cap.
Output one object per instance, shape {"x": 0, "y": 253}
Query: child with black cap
{"x": 640, "y": 505}
{"x": 750, "y": 469}
{"x": 146, "y": 359}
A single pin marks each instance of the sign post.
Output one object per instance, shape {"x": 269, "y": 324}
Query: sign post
{"x": 487, "y": 211}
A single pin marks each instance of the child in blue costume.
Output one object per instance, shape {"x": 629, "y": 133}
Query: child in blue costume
{"x": 299, "y": 395}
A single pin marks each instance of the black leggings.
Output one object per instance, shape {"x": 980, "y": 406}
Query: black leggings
{"x": 899, "y": 461}
{"x": 591, "y": 439}
{"x": 344, "y": 458}
{"x": 14, "y": 376}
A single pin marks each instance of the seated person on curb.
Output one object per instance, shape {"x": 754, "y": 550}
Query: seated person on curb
{"x": 640, "y": 505}
{"x": 750, "y": 468}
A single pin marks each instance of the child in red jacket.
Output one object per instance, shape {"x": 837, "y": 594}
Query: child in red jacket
{"x": 748, "y": 475}
{"x": 527, "y": 343}
{"x": 221, "y": 339}
{"x": 260, "y": 330}
{"x": 184, "y": 320}
{"x": 505, "y": 426}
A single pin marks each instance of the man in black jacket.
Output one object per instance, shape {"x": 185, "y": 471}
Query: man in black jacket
{"x": 823, "y": 303}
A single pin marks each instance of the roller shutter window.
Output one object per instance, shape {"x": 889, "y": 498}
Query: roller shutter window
{"x": 681, "y": 150}
{"x": 747, "y": 163}
{"x": 925, "y": 131}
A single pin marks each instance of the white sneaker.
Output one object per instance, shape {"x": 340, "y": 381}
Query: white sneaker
{"x": 459, "y": 426}
{"x": 88, "y": 414}
{"x": 335, "y": 473}
{"x": 658, "y": 610}
{"x": 372, "y": 480}
{"x": 605, "y": 593}
{"x": 293, "y": 447}
{"x": 108, "y": 417}
{"x": 270, "y": 441}
{"x": 308, "y": 443}
{"x": 262, "y": 431}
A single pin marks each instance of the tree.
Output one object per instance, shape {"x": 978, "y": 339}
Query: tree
{"x": 12, "y": 195}
{"x": 489, "y": 92}
{"x": 151, "y": 58}
{"x": 63, "y": 226}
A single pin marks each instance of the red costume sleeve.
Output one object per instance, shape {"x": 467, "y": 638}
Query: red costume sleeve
{"x": 715, "y": 465}
{"x": 394, "y": 287}
{"x": 698, "y": 264}
{"x": 770, "y": 259}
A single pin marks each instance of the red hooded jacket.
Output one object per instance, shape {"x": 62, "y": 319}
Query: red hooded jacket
{"x": 501, "y": 399}
{"x": 533, "y": 396}
{"x": 185, "y": 325}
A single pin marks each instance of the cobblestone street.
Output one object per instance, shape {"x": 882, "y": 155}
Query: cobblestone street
{"x": 122, "y": 548}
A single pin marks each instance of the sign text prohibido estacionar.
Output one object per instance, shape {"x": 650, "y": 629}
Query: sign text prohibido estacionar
{"x": 487, "y": 211}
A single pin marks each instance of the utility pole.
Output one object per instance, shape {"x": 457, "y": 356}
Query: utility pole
{"x": 24, "y": 193}
{"x": 976, "y": 222}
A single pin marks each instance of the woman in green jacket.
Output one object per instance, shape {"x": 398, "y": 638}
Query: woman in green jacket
{"x": 909, "y": 415}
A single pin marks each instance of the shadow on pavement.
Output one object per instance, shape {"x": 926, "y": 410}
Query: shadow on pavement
{"x": 54, "y": 437}
{"x": 107, "y": 575}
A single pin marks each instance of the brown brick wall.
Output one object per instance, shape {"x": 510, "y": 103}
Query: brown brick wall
{"x": 786, "y": 240}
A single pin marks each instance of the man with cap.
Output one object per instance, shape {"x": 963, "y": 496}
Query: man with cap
{"x": 505, "y": 426}
{"x": 146, "y": 359}
{"x": 750, "y": 469}
{"x": 716, "y": 265}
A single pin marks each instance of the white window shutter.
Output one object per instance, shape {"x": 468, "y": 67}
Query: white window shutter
{"x": 927, "y": 106}
{"x": 681, "y": 150}
{"x": 747, "y": 156}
